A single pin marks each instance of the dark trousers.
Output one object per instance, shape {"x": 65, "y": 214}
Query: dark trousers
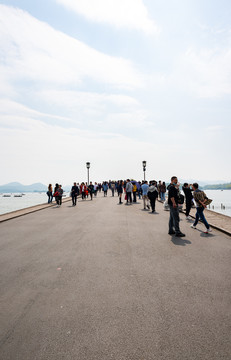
{"x": 59, "y": 200}
{"x": 134, "y": 196}
{"x": 174, "y": 219}
{"x": 129, "y": 196}
{"x": 153, "y": 204}
{"x": 83, "y": 195}
{"x": 74, "y": 199}
{"x": 200, "y": 215}
{"x": 188, "y": 207}
{"x": 50, "y": 197}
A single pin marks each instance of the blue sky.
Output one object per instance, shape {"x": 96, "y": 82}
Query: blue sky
{"x": 115, "y": 82}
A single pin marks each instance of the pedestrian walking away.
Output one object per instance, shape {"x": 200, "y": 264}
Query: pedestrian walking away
{"x": 145, "y": 188}
{"x": 173, "y": 198}
{"x": 162, "y": 191}
{"x": 129, "y": 188}
{"x": 188, "y": 198}
{"x": 200, "y": 199}
{"x": 120, "y": 191}
{"x": 153, "y": 195}
{"x": 134, "y": 191}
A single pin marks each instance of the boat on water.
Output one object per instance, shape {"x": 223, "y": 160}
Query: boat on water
{"x": 18, "y": 195}
{"x": 6, "y": 195}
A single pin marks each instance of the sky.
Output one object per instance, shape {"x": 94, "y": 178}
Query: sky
{"x": 113, "y": 83}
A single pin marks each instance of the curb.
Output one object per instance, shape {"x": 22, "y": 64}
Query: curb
{"x": 212, "y": 225}
{"x": 31, "y": 209}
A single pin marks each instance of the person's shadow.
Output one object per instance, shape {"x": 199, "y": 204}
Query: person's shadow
{"x": 180, "y": 241}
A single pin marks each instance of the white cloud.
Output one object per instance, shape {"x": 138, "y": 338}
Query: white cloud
{"x": 34, "y": 51}
{"x": 131, "y": 14}
{"x": 8, "y": 106}
{"x": 129, "y": 120}
{"x": 207, "y": 71}
{"x": 215, "y": 128}
{"x": 81, "y": 99}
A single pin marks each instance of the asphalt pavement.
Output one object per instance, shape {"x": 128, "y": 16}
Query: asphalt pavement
{"x": 105, "y": 281}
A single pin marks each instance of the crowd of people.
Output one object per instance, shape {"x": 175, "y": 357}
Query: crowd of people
{"x": 149, "y": 192}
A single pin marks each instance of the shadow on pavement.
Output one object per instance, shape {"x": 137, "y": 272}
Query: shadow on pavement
{"x": 180, "y": 241}
{"x": 206, "y": 235}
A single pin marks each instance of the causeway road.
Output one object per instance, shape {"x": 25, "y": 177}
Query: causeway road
{"x": 102, "y": 281}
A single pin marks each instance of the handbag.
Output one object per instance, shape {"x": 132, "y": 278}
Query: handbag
{"x": 208, "y": 201}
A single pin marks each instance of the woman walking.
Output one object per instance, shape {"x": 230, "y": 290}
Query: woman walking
{"x": 49, "y": 194}
{"x": 162, "y": 191}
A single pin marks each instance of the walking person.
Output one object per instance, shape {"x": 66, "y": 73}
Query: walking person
{"x": 74, "y": 193}
{"x": 162, "y": 191}
{"x": 90, "y": 189}
{"x": 145, "y": 188}
{"x": 83, "y": 190}
{"x": 129, "y": 188}
{"x": 50, "y": 193}
{"x": 134, "y": 190}
{"x": 120, "y": 191}
{"x": 188, "y": 198}
{"x": 173, "y": 197}
{"x": 95, "y": 189}
{"x": 200, "y": 199}
{"x": 56, "y": 194}
{"x": 60, "y": 192}
{"x": 158, "y": 187}
{"x": 113, "y": 188}
{"x": 139, "y": 190}
{"x": 105, "y": 188}
{"x": 153, "y": 195}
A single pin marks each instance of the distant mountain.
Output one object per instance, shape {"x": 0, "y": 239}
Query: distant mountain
{"x": 202, "y": 182}
{"x": 218, "y": 187}
{"x": 16, "y": 187}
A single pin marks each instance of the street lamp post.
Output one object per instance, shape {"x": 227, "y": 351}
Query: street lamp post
{"x": 88, "y": 167}
{"x": 144, "y": 167}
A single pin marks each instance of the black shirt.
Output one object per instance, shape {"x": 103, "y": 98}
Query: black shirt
{"x": 75, "y": 190}
{"x": 172, "y": 192}
{"x": 188, "y": 193}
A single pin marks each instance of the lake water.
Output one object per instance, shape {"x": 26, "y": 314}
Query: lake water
{"x": 7, "y": 204}
{"x": 221, "y": 201}
{"x": 12, "y": 203}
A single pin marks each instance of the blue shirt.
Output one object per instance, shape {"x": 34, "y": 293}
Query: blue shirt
{"x": 144, "y": 188}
